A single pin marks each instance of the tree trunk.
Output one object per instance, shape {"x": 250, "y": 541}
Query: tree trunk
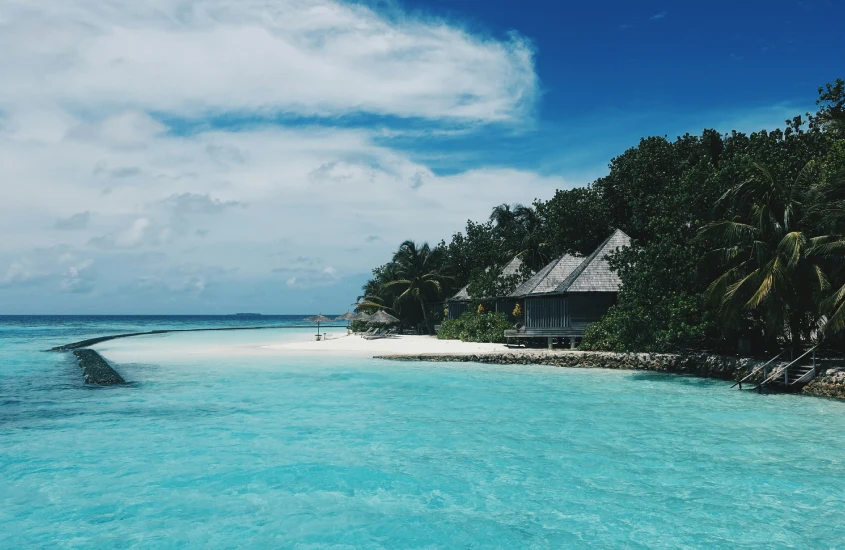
{"x": 428, "y": 326}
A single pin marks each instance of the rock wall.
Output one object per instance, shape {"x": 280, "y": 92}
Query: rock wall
{"x": 96, "y": 370}
{"x": 830, "y": 384}
{"x": 710, "y": 366}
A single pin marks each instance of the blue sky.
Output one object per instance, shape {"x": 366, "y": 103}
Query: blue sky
{"x": 211, "y": 156}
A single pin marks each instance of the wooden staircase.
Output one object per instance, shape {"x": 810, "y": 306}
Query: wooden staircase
{"x": 791, "y": 378}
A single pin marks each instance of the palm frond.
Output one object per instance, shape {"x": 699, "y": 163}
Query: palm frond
{"x": 729, "y": 231}
{"x": 792, "y": 247}
{"x": 821, "y": 278}
{"x": 835, "y": 305}
{"x": 829, "y": 249}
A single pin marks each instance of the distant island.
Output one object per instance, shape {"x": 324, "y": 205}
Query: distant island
{"x": 247, "y": 315}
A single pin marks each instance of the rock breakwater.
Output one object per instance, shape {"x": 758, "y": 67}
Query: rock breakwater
{"x": 709, "y": 366}
{"x": 96, "y": 370}
{"x": 831, "y": 383}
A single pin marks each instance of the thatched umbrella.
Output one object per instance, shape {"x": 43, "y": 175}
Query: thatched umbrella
{"x": 319, "y": 318}
{"x": 364, "y": 316}
{"x": 383, "y": 318}
{"x": 348, "y": 317}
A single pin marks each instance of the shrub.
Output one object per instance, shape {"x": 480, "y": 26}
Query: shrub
{"x": 471, "y": 327}
{"x": 450, "y": 329}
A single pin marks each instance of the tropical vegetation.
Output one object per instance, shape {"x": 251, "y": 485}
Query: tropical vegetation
{"x": 737, "y": 242}
{"x": 475, "y": 326}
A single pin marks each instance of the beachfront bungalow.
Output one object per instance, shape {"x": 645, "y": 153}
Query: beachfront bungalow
{"x": 568, "y": 294}
{"x": 460, "y": 302}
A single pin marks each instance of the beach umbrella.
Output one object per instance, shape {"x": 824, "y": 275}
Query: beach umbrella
{"x": 364, "y": 316}
{"x": 384, "y": 318}
{"x": 348, "y": 317}
{"x": 319, "y": 318}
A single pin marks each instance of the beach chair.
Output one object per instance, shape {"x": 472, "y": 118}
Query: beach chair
{"x": 369, "y": 332}
{"x": 375, "y": 335}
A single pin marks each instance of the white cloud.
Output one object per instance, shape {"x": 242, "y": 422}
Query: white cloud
{"x": 59, "y": 268}
{"x": 312, "y": 57}
{"x": 79, "y": 220}
{"x": 181, "y": 213}
{"x": 326, "y": 191}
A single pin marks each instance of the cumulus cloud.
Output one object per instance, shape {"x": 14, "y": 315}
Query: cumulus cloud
{"x": 60, "y": 268}
{"x": 164, "y": 221}
{"x": 128, "y": 237}
{"x": 185, "y": 204}
{"x": 124, "y": 112}
{"x": 76, "y": 221}
{"x": 311, "y": 57}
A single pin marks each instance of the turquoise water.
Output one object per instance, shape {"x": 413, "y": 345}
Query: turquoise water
{"x": 318, "y": 452}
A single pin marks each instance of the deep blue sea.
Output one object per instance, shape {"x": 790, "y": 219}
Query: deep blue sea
{"x": 311, "y": 451}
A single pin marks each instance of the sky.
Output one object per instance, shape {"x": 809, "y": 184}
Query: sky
{"x": 222, "y": 156}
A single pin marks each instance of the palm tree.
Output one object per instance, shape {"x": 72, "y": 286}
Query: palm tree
{"x": 520, "y": 230}
{"x": 374, "y": 294}
{"x": 768, "y": 253}
{"x": 830, "y": 209}
{"x": 503, "y": 217}
{"x": 532, "y": 244}
{"x": 419, "y": 276}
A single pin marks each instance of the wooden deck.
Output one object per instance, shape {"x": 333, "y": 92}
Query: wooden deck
{"x": 550, "y": 333}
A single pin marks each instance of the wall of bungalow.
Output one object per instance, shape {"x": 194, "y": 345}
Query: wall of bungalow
{"x": 576, "y": 310}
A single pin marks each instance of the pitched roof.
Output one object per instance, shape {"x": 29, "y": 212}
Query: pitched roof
{"x": 512, "y": 268}
{"x": 595, "y": 275}
{"x": 461, "y": 296}
{"x": 578, "y": 274}
{"x": 548, "y": 278}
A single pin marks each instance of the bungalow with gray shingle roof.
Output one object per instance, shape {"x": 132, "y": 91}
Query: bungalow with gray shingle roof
{"x": 569, "y": 293}
{"x": 459, "y": 303}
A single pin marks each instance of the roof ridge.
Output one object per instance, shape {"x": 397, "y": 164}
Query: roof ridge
{"x": 569, "y": 281}
{"x": 537, "y": 278}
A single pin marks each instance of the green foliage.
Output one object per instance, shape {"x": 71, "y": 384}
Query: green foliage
{"x": 489, "y": 283}
{"x": 773, "y": 203}
{"x": 408, "y": 284}
{"x": 832, "y": 106}
{"x": 474, "y": 327}
{"x": 765, "y": 248}
{"x": 359, "y": 326}
{"x": 677, "y": 325}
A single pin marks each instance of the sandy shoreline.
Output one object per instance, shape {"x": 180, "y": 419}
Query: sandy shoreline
{"x": 397, "y": 345}
{"x": 267, "y": 344}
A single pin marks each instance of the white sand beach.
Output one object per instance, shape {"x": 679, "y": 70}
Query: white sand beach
{"x": 271, "y": 343}
{"x": 395, "y": 345}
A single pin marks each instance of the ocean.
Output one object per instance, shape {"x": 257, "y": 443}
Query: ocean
{"x": 314, "y": 451}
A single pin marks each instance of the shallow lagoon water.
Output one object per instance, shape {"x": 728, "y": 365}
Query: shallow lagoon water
{"x": 314, "y": 452}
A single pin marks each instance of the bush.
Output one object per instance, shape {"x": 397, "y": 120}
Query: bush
{"x": 677, "y": 325}
{"x": 359, "y": 326}
{"x": 471, "y": 327}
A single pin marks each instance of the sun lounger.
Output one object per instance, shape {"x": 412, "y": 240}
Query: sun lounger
{"x": 390, "y": 333}
{"x": 377, "y": 334}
